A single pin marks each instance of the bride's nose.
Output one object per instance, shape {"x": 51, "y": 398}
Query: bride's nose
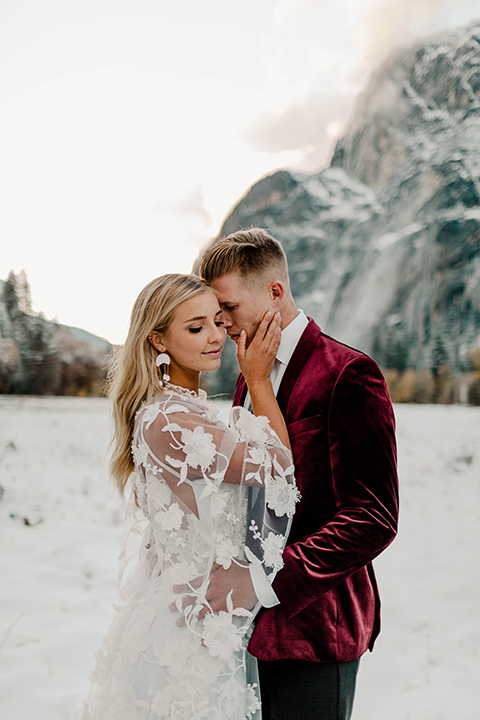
{"x": 217, "y": 334}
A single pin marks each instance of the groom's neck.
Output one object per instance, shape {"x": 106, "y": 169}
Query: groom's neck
{"x": 288, "y": 311}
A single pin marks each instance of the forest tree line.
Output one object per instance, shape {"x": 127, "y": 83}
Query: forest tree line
{"x": 40, "y": 357}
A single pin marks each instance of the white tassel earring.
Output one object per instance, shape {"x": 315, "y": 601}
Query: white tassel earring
{"x": 163, "y": 359}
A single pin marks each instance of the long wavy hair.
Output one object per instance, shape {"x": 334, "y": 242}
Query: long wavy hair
{"x": 134, "y": 376}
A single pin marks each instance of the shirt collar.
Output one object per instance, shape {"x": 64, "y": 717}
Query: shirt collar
{"x": 291, "y": 334}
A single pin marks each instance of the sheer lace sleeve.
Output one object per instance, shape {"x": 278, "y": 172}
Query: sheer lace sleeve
{"x": 181, "y": 442}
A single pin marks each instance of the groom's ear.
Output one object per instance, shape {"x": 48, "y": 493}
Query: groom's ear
{"x": 277, "y": 291}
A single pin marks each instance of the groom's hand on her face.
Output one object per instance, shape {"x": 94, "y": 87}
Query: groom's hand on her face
{"x": 256, "y": 361}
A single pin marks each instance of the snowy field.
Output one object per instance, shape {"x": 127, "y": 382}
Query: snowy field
{"x": 60, "y": 536}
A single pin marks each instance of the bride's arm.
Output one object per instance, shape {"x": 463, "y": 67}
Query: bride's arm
{"x": 256, "y": 363}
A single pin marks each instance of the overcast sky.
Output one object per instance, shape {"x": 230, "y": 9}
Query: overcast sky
{"x": 129, "y": 128}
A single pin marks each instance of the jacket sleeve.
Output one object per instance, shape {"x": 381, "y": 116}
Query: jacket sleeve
{"x": 362, "y": 448}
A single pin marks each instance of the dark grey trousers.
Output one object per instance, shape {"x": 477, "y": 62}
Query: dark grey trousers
{"x": 298, "y": 690}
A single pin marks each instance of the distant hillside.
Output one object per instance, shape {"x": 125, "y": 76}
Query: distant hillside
{"x": 384, "y": 245}
{"x": 41, "y": 357}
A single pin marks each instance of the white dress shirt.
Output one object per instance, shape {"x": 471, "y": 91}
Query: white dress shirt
{"x": 291, "y": 334}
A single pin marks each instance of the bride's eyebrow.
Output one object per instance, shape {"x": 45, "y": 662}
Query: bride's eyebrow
{"x": 200, "y": 317}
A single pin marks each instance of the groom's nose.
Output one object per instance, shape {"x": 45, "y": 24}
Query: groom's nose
{"x": 226, "y": 319}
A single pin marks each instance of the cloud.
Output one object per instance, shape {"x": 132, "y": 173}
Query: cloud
{"x": 310, "y": 126}
{"x": 393, "y": 24}
{"x": 193, "y": 204}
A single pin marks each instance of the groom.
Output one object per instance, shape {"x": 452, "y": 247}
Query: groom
{"x": 322, "y": 611}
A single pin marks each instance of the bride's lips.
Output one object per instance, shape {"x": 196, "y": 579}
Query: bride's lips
{"x": 214, "y": 353}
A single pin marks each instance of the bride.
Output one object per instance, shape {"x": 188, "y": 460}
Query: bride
{"x": 206, "y": 499}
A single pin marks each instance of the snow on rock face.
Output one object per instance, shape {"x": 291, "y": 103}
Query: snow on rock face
{"x": 392, "y": 227}
{"x": 420, "y": 96}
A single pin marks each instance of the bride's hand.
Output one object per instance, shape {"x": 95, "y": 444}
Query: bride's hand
{"x": 256, "y": 361}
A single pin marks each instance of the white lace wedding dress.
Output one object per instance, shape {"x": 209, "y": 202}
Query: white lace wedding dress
{"x": 202, "y": 493}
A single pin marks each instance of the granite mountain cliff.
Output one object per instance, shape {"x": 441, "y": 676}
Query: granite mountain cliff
{"x": 384, "y": 244}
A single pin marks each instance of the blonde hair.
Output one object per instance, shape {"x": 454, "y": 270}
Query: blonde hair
{"x": 250, "y": 252}
{"x": 134, "y": 376}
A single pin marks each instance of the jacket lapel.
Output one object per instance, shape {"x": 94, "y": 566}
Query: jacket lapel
{"x": 240, "y": 391}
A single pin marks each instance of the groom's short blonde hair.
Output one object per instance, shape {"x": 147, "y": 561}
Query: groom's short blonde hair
{"x": 250, "y": 252}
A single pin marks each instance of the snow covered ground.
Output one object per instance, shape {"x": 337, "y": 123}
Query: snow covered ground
{"x": 60, "y": 531}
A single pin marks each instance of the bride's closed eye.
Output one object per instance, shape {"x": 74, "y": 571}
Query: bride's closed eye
{"x": 218, "y": 323}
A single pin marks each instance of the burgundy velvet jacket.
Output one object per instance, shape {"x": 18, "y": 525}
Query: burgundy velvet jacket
{"x": 342, "y": 431}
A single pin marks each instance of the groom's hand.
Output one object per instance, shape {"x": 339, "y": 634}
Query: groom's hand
{"x": 256, "y": 361}
{"x": 237, "y": 579}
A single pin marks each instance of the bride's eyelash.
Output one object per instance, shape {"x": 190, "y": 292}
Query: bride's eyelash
{"x": 218, "y": 323}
